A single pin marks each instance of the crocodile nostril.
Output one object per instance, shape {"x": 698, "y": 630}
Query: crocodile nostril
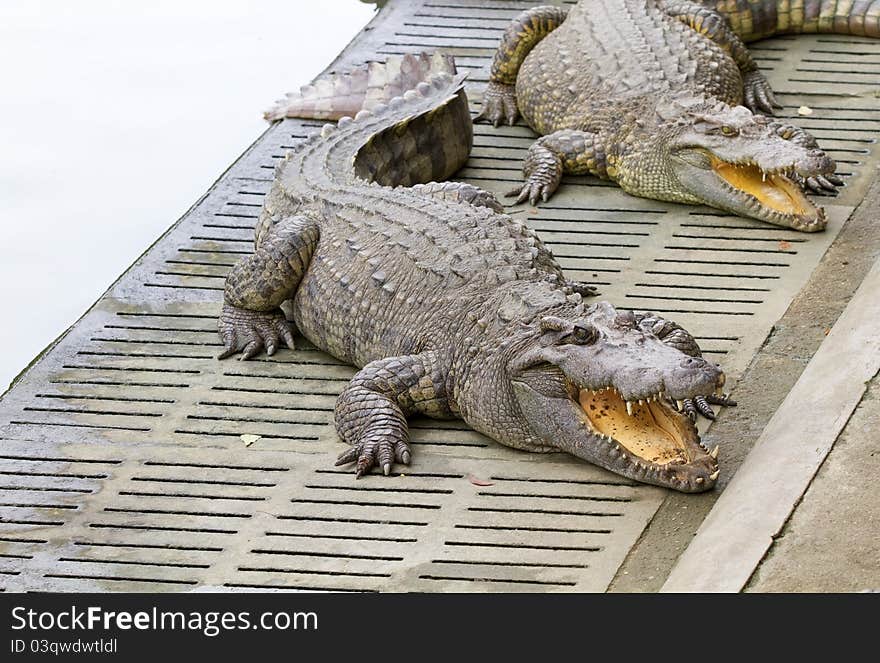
{"x": 693, "y": 362}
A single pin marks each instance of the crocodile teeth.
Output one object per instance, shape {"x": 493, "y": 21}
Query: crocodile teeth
{"x": 714, "y": 475}
{"x": 714, "y": 452}
{"x": 680, "y": 404}
{"x": 629, "y": 408}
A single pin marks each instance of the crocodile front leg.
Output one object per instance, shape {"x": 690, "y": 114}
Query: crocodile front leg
{"x": 673, "y": 334}
{"x": 371, "y": 413}
{"x": 520, "y": 37}
{"x": 257, "y": 286}
{"x": 566, "y": 151}
{"x": 756, "y": 91}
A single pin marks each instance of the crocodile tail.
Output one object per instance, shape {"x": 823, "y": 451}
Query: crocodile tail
{"x": 423, "y": 135}
{"x": 337, "y": 95}
{"x": 428, "y": 135}
{"x": 756, "y": 19}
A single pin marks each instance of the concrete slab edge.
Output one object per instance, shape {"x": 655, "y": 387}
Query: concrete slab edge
{"x": 755, "y": 506}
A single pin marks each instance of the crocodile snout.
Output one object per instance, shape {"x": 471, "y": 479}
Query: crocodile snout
{"x": 694, "y": 363}
{"x": 816, "y": 161}
{"x": 694, "y": 376}
{"x": 700, "y": 366}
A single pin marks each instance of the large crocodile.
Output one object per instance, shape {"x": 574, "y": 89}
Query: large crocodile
{"x": 452, "y": 309}
{"x": 647, "y": 93}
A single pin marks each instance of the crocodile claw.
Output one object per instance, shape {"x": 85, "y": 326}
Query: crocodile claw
{"x": 822, "y": 185}
{"x": 543, "y": 171}
{"x": 249, "y": 332}
{"x": 758, "y": 95}
{"x": 833, "y": 179}
{"x": 375, "y": 453}
{"x": 703, "y": 405}
{"x": 499, "y": 105}
{"x": 531, "y": 191}
{"x": 583, "y": 289}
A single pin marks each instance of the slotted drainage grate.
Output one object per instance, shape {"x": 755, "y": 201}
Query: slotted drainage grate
{"x": 123, "y": 466}
{"x": 88, "y": 517}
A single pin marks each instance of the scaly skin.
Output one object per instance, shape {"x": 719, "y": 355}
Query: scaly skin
{"x": 757, "y": 19}
{"x": 650, "y": 94}
{"x": 451, "y": 309}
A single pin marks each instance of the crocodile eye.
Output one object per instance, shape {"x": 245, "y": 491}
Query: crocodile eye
{"x": 583, "y": 334}
{"x": 729, "y": 131}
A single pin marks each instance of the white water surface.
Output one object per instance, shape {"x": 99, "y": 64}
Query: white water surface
{"x": 115, "y": 116}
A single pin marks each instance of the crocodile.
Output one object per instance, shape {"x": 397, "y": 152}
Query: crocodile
{"x": 649, "y": 94}
{"x": 451, "y": 309}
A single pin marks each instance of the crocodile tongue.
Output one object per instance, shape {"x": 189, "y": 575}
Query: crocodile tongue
{"x": 772, "y": 190}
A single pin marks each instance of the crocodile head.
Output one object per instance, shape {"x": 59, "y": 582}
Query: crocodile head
{"x": 602, "y": 389}
{"x": 729, "y": 158}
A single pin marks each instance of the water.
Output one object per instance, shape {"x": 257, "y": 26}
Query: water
{"x": 115, "y": 117}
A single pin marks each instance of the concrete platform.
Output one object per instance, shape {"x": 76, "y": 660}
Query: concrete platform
{"x": 123, "y": 465}
{"x": 831, "y": 543}
{"x": 760, "y": 499}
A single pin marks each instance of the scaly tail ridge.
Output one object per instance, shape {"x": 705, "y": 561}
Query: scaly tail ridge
{"x": 756, "y": 19}
{"x": 428, "y": 145}
{"x": 338, "y": 95}
{"x": 423, "y": 135}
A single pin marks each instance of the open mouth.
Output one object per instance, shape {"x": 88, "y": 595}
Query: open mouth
{"x": 655, "y": 438}
{"x": 647, "y": 429}
{"x": 774, "y": 190}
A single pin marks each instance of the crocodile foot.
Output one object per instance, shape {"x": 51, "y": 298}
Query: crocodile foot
{"x": 583, "y": 289}
{"x": 499, "y": 104}
{"x": 758, "y": 95}
{"x": 376, "y": 452}
{"x": 821, "y": 185}
{"x": 543, "y": 171}
{"x": 703, "y": 405}
{"x": 249, "y": 332}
